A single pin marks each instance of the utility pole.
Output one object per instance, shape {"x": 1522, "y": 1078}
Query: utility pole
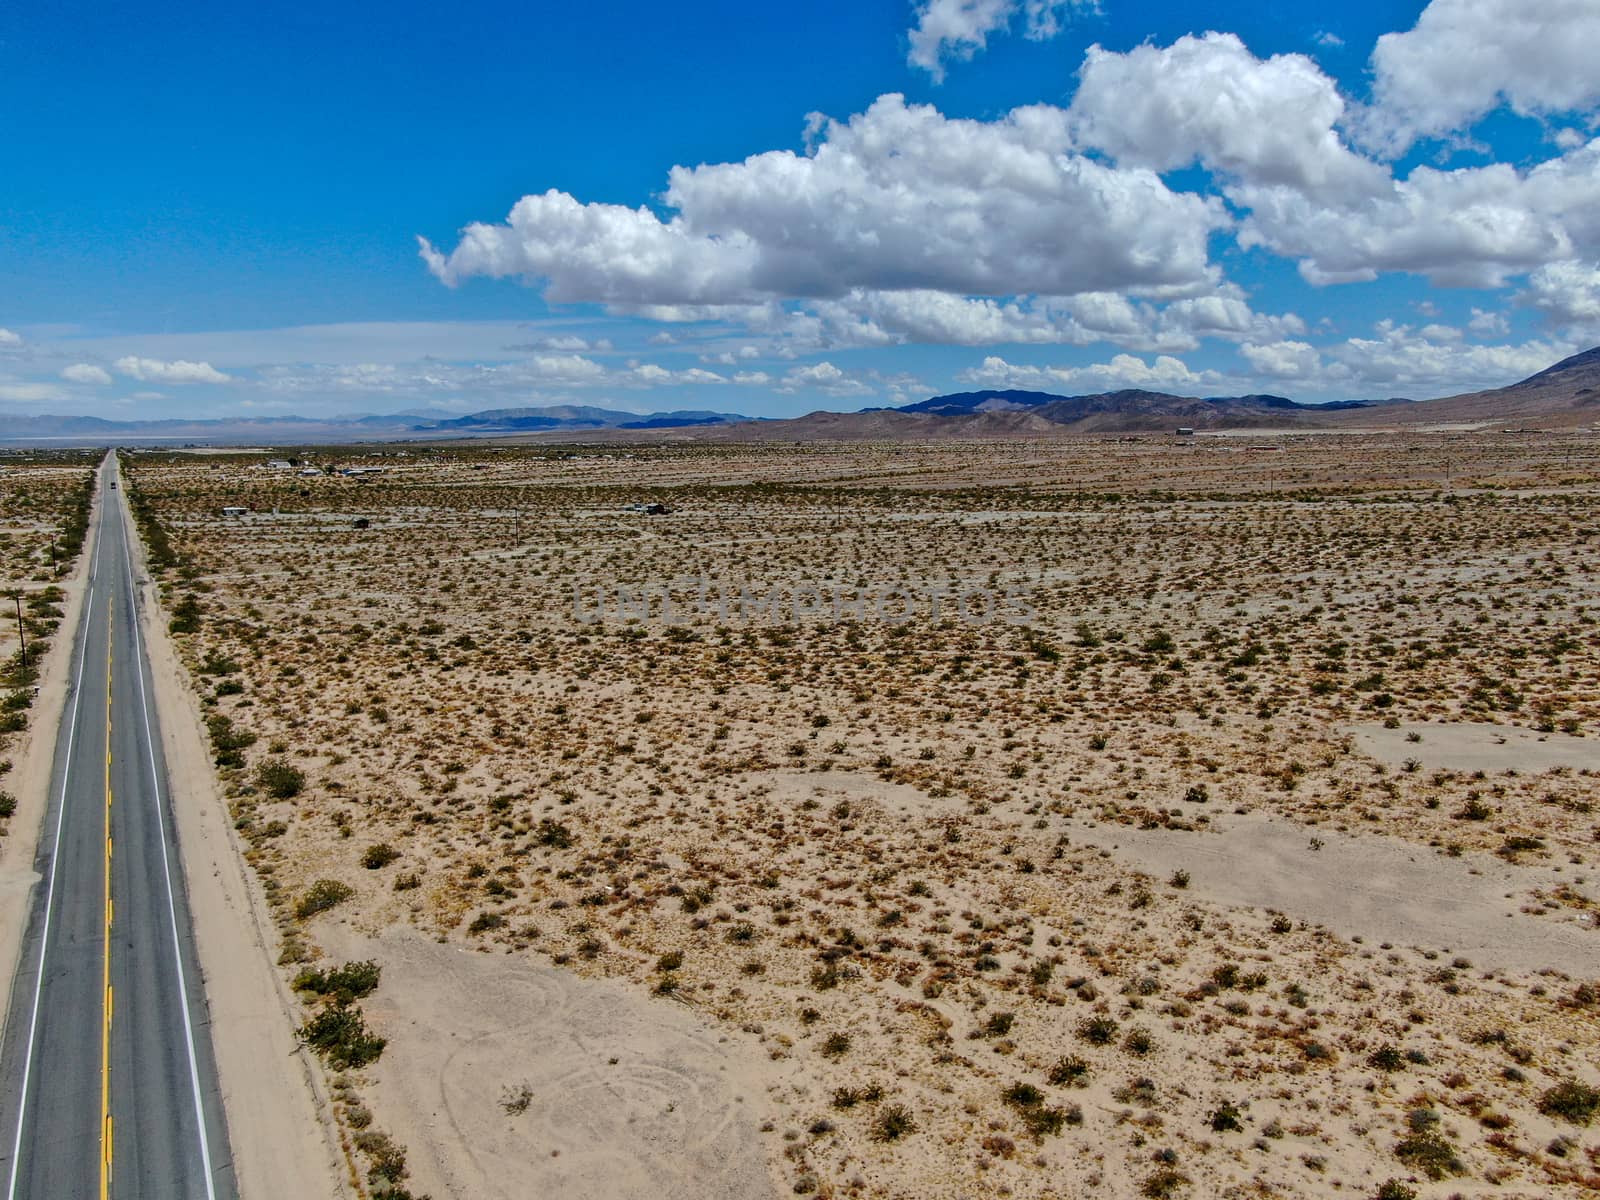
{"x": 22, "y": 640}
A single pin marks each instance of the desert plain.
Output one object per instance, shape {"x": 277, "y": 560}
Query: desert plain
{"x": 1156, "y": 816}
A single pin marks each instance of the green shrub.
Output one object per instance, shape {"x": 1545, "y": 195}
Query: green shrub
{"x": 1070, "y": 1071}
{"x": 1043, "y": 1121}
{"x": 1098, "y": 1031}
{"x": 185, "y": 616}
{"x": 321, "y": 896}
{"x": 228, "y": 742}
{"x": 1429, "y": 1153}
{"x": 553, "y": 834}
{"x": 893, "y": 1123}
{"x": 386, "y": 1163}
{"x": 846, "y": 1097}
{"x": 1022, "y": 1095}
{"x": 1163, "y": 1183}
{"x": 352, "y": 981}
{"x": 1386, "y": 1058}
{"x": 280, "y": 779}
{"x": 484, "y": 921}
{"x": 999, "y": 1024}
{"x": 1138, "y": 1041}
{"x": 378, "y": 855}
{"x": 1226, "y": 1118}
{"x": 8, "y": 804}
{"x": 1571, "y": 1101}
{"x": 339, "y": 1035}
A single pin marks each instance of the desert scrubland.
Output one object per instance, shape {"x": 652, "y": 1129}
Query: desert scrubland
{"x": 750, "y": 886}
{"x": 44, "y": 518}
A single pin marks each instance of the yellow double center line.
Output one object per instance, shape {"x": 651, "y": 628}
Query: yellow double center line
{"x": 105, "y": 1029}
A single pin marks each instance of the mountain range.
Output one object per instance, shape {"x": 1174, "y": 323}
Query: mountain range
{"x": 25, "y": 428}
{"x": 1564, "y": 395}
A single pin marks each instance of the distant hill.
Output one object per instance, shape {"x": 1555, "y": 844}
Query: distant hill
{"x": 1024, "y": 414}
{"x": 1133, "y": 409}
{"x": 1565, "y": 395}
{"x": 1562, "y": 396}
{"x": 25, "y": 428}
{"x": 569, "y": 416}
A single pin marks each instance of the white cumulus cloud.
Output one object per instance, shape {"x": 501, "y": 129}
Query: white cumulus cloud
{"x": 1401, "y": 359}
{"x": 1469, "y": 227}
{"x": 1283, "y": 360}
{"x": 899, "y": 197}
{"x": 823, "y": 377}
{"x": 1464, "y": 58}
{"x": 881, "y": 318}
{"x": 1485, "y": 323}
{"x": 1567, "y": 292}
{"x": 1208, "y": 99}
{"x": 1122, "y": 371}
{"x": 955, "y": 30}
{"x": 32, "y": 393}
{"x": 154, "y": 370}
{"x": 85, "y": 373}
{"x": 9, "y": 340}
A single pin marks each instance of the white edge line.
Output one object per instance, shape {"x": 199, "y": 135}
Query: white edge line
{"x": 166, "y": 870}
{"x": 55, "y": 859}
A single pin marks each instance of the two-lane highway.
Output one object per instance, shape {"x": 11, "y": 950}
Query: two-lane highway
{"x": 110, "y": 1086}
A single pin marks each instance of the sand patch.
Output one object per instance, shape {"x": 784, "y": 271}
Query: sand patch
{"x": 1376, "y": 888}
{"x": 627, "y": 1097}
{"x": 825, "y": 790}
{"x": 1473, "y": 746}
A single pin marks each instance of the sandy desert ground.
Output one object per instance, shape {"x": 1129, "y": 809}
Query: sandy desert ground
{"x": 1227, "y": 831}
{"x": 45, "y": 505}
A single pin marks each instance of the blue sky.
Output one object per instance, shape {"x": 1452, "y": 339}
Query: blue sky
{"x": 215, "y": 210}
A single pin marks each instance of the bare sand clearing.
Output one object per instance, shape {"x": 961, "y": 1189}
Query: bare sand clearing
{"x": 625, "y": 1098}
{"x": 1370, "y": 888}
{"x": 1478, "y": 746}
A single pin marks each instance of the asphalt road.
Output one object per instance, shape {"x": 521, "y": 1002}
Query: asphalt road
{"x": 110, "y": 1087}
